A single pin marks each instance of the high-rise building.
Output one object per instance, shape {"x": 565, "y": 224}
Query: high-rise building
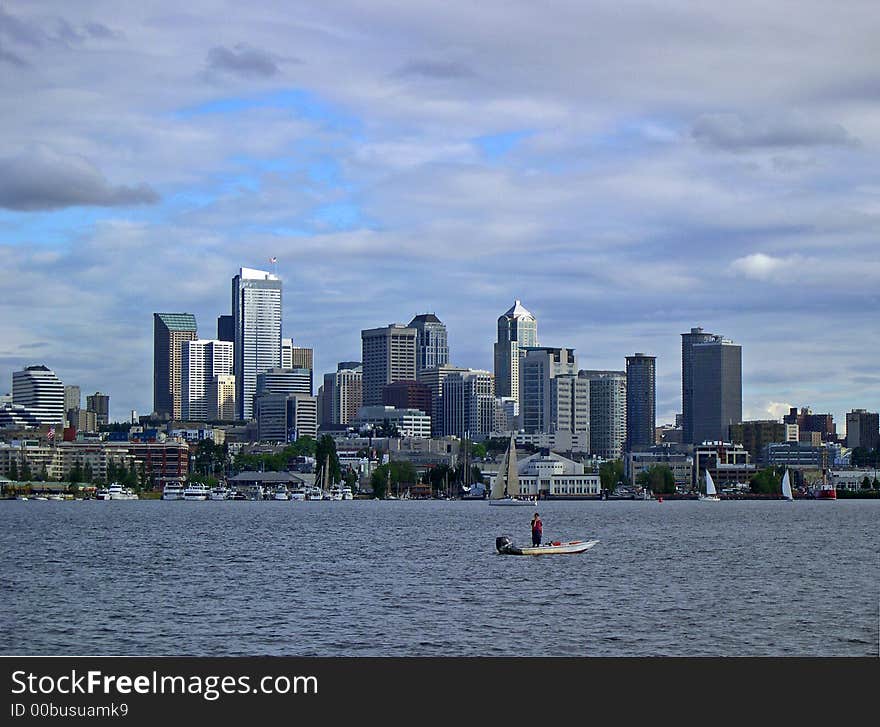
{"x": 407, "y": 395}
{"x": 688, "y": 341}
{"x": 256, "y": 311}
{"x": 296, "y": 357}
{"x": 40, "y": 392}
{"x": 432, "y": 346}
{"x": 343, "y": 394}
{"x": 552, "y": 397}
{"x": 716, "y": 381}
{"x": 201, "y": 361}
{"x": 285, "y": 381}
{"x": 756, "y": 434}
{"x": 469, "y": 404}
{"x": 821, "y": 425}
{"x": 99, "y": 404}
{"x": 72, "y": 397}
{"x": 221, "y": 398}
{"x": 286, "y": 417}
{"x": 389, "y": 354}
{"x": 607, "y": 412}
{"x": 170, "y": 330}
{"x": 517, "y": 329}
{"x": 433, "y": 379}
{"x": 862, "y": 429}
{"x": 226, "y": 328}
{"x": 641, "y": 400}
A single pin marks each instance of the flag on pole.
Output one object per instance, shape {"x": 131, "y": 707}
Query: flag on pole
{"x": 273, "y": 260}
{"x": 51, "y": 434}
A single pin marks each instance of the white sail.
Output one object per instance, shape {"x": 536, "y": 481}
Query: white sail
{"x": 512, "y": 484}
{"x": 498, "y": 487}
{"x": 710, "y": 484}
{"x": 786, "y": 487}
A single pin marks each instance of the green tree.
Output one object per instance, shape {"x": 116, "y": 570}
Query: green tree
{"x": 325, "y": 452}
{"x": 478, "y": 450}
{"x": 26, "y": 474}
{"x": 75, "y": 475}
{"x": 766, "y": 482}
{"x": 611, "y": 474}
{"x": 350, "y": 477}
{"x": 87, "y": 473}
{"x": 658, "y": 478}
{"x": 13, "y": 471}
{"x": 866, "y": 482}
{"x": 399, "y": 473}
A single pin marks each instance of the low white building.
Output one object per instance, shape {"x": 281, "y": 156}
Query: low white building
{"x": 552, "y": 476}
{"x": 409, "y": 422}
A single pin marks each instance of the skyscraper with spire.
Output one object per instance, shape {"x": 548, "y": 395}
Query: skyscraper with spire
{"x": 517, "y": 329}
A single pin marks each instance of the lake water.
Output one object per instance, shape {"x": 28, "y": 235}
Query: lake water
{"x": 421, "y": 578}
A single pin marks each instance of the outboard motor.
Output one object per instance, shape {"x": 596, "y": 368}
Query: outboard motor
{"x": 502, "y": 542}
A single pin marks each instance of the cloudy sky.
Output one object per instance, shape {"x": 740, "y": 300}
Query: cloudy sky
{"x": 627, "y": 169}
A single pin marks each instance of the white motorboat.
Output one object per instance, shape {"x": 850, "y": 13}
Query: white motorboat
{"x": 314, "y": 493}
{"x": 55, "y": 497}
{"x": 196, "y": 491}
{"x": 335, "y": 492}
{"x": 118, "y": 492}
{"x": 39, "y": 497}
{"x": 298, "y": 494}
{"x": 505, "y": 487}
{"x": 711, "y": 494}
{"x": 172, "y": 491}
{"x": 280, "y": 493}
{"x": 505, "y": 546}
{"x": 23, "y": 498}
{"x": 102, "y": 494}
{"x": 347, "y": 494}
{"x": 219, "y": 493}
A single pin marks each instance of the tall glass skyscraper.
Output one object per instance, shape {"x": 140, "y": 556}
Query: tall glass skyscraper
{"x": 641, "y": 400}
{"x": 432, "y": 346}
{"x": 688, "y": 341}
{"x": 170, "y": 331}
{"x": 517, "y": 329}
{"x": 256, "y": 312}
{"x": 717, "y": 389}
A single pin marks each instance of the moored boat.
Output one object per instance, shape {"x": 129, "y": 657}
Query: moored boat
{"x": 505, "y": 487}
{"x": 172, "y": 491}
{"x": 118, "y": 492}
{"x": 711, "y": 494}
{"x": 196, "y": 491}
{"x": 505, "y": 546}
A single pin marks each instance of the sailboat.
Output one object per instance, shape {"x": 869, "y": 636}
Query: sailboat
{"x": 711, "y": 494}
{"x": 786, "y": 487}
{"x": 505, "y": 486}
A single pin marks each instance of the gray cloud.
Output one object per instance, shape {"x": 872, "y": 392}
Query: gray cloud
{"x": 20, "y": 31}
{"x": 43, "y": 180}
{"x": 99, "y": 30}
{"x": 434, "y": 69}
{"x": 733, "y": 132}
{"x": 243, "y": 61}
{"x": 9, "y": 57}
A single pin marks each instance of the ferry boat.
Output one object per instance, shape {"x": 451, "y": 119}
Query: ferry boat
{"x": 118, "y": 492}
{"x": 172, "y": 491}
{"x": 196, "y": 491}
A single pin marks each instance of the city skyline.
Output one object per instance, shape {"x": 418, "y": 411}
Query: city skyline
{"x": 623, "y": 193}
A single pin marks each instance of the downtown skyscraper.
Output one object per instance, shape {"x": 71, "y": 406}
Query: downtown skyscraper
{"x": 256, "y": 314}
{"x": 432, "y": 344}
{"x": 170, "y": 331}
{"x": 517, "y": 329}
{"x": 389, "y": 355}
{"x": 641, "y": 400}
{"x": 716, "y": 378}
{"x": 688, "y": 341}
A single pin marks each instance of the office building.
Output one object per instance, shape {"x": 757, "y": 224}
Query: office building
{"x": 641, "y": 401}
{"x": 201, "y": 361}
{"x": 862, "y": 429}
{"x": 517, "y": 329}
{"x": 688, "y": 341}
{"x": 409, "y": 422}
{"x": 716, "y": 393}
{"x": 221, "y": 398}
{"x": 469, "y": 404}
{"x": 821, "y": 424}
{"x": 285, "y": 418}
{"x": 285, "y": 381}
{"x": 72, "y": 397}
{"x": 607, "y": 412}
{"x": 256, "y": 311}
{"x": 755, "y": 435}
{"x": 432, "y": 347}
{"x": 342, "y": 395}
{"x": 552, "y": 397}
{"x": 389, "y": 355}
{"x": 170, "y": 331}
{"x": 407, "y": 395}
{"x": 40, "y": 392}
{"x": 296, "y": 357}
{"x": 226, "y": 328}
{"x": 433, "y": 379}
{"x": 99, "y": 404}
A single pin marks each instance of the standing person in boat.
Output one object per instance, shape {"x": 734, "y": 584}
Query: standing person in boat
{"x": 537, "y": 530}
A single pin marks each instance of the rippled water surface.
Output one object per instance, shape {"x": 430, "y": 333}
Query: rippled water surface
{"x": 409, "y": 578}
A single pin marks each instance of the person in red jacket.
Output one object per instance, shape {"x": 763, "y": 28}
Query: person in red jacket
{"x": 537, "y": 530}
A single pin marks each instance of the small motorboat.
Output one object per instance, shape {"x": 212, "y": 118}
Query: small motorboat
{"x": 505, "y": 546}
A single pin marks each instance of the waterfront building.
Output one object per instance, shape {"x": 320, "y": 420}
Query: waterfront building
{"x": 285, "y": 417}
{"x": 553, "y": 397}
{"x": 170, "y": 331}
{"x": 38, "y": 390}
{"x": 469, "y": 404}
{"x": 796, "y": 455}
{"x": 729, "y": 464}
{"x": 409, "y": 422}
{"x": 226, "y": 328}
{"x": 641, "y": 400}
{"x": 862, "y": 429}
{"x": 549, "y": 475}
{"x": 754, "y": 435}
{"x": 201, "y": 361}
{"x": 256, "y": 311}
{"x": 607, "y": 412}
{"x": 517, "y": 329}
{"x": 678, "y": 458}
{"x": 389, "y": 355}
{"x": 716, "y": 389}
{"x": 432, "y": 346}
{"x": 808, "y": 422}
{"x": 407, "y": 395}
{"x": 99, "y": 404}
{"x": 221, "y": 398}
{"x": 342, "y": 395}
